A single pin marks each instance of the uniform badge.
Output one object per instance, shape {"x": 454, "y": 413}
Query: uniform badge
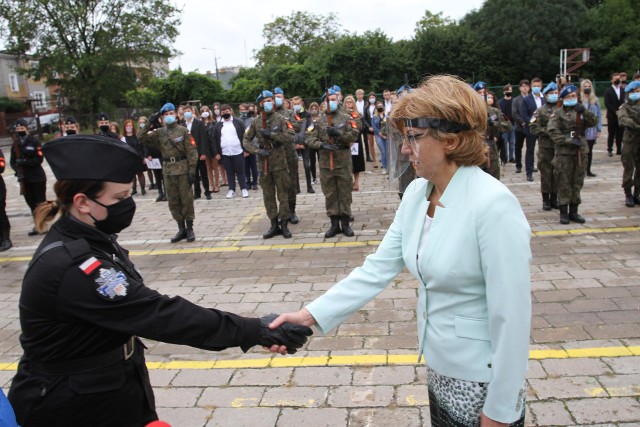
{"x": 246, "y": 130}
{"x": 353, "y": 124}
{"x": 178, "y": 139}
{"x": 310, "y": 128}
{"x": 112, "y": 284}
{"x": 90, "y": 265}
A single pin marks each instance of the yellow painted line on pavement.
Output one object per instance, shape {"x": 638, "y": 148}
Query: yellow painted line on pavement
{"x": 580, "y": 231}
{"x": 367, "y": 359}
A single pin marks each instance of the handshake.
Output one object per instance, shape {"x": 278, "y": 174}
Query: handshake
{"x": 287, "y": 335}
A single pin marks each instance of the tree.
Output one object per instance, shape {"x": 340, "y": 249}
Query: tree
{"x": 90, "y": 47}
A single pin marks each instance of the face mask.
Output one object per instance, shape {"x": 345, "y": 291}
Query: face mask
{"x": 490, "y": 101}
{"x": 536, "y": 90}
{"x": 372, "y": 100}
{"x": 169, "y": 120}
{"x": 587, "y": 90}
{"x": 278, "y": 102}
{"x": 616, "y": 82}
{"x": 268, "y": 107}
{"x": 141, "y": 125}
{"x": 507, "y": 94}
{"x": 634, "y": 96}
{"x": 188, "y": 115}
{"x": 226, "y": 116}
{"x": 129, "y": 129}
{"x": 553, "y": 98}
{"x": 297, "y": 108}
{"x": 243, "y": 114}
{"x": 22, "y": 133}
{"x": 333, "y": 106}
{"x": 570, "y": 102}
{"x": 380, "y": 109}
{"x": 252, "y": 113}
{"x": 119, "y": 215}
{"x": 71, "y": 132}
{"x": 205, "y": 114}
{"x": 314, "y": 112}
{"x": 216, "y": 111}
{"x": 104, "y": 128}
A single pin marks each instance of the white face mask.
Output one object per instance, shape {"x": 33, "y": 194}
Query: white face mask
{"x": 372, "y": 100}
{"x": 205, "y": 114}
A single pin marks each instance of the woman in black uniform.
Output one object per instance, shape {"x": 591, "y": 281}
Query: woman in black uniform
{"x": 83, "y": 303}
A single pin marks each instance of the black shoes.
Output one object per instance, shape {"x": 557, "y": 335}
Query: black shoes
{"x": 274, "y": 230}
{"x": 310, "y": 189}
{"x": 529, "y": 177}
{"x": 285, "y": 230}
{"x": 5, "y": 245}
{"x": 546, "y": 202}
{"x": 628, "y": 201}
{"x": 518, "y": 170}
{"x": 181, "y": 234}
{"x": 191, "y": 236}
{"x": 294, "y": 218}
{"x": 161, "y": 197}
{"x": 564, "y": 214}
{"x": 591, "y": 174}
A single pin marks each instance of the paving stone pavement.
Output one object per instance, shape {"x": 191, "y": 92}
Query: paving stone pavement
{"x": 585, "y": 359}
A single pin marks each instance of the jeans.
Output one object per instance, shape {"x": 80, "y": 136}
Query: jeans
{"x": 509, "y": 140}
{"x": 251, "y": 170}
{"x": 382, "y": 145}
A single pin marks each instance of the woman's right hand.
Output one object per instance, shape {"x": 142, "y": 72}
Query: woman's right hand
{"x": 301, "y": 317}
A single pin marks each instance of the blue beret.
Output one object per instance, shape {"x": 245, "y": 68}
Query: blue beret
{"x": 330, "y": 91}
{"x": 479, "y": 85}
{"x": 336, "y": 88}
{"x": 632, "y": 86}
{"x": 168, "y": 107}
{"x": 403, "y": 88}
{"x": 264, "y": 94}
{"x": 278, "y": 91}
{"x": 567, "y": 90}
{"x": 551, "y": 86}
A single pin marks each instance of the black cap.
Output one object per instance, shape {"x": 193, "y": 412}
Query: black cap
{"x": 103, "y": 116}
{"x": 92, "y": 157}
{"x": 70, "y": 120}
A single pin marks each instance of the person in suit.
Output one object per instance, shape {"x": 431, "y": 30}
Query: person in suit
{"x": 516, "y": 113}
{"x": 530, "y": 104}
{"x": 613, "y": 99}
{"x": 472, "y": 269}
{"x": 198, "y": 131}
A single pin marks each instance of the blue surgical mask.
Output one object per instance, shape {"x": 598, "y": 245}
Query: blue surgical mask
{"x": 268, "y": 106}
{"x": 570, "y": 102}
{"x": 169, "y": 120}
{"x": 536, "y": 90}
{"x": 553, "y": 98}
{"x": 333, "y": 106}
{"x": 141, "y": 125}
{"x": 188, "y": 115}
{"x": 297, "y": 108}
{"x": 634, "y": 96}
{"x": 278, "y": 102}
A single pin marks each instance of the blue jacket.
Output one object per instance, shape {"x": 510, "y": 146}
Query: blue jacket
{"x": 529, "y": 107}
{"x": 474, "y": 303}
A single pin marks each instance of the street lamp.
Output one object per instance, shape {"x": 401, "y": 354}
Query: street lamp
{"x": 215, "y": 60}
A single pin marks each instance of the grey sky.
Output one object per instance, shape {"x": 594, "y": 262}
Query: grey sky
{"x": 234, "y": 29}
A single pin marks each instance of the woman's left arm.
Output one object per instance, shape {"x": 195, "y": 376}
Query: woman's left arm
{"x": 504, "y": 243}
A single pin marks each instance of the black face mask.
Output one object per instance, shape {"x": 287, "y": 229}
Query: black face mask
{"x": 381, "y": 109}
{"x": 71, "y": 132}
{"x": 587, "y": 91}
{"x": 226, "y": 116}
{"x": 119, "y": 216}
{"x": 22, "y": 133}
{"x": 104, "y": 128}
{"x": 616, "y": 82}
{"x": 252, "y": 113}
{"x": 507, "y": 94}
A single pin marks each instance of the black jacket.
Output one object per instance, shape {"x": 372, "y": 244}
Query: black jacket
{"x": 199, "y": 134}
{"x": 26, "y": 160}
{"x": 612, "y": 102}
{"x": 216, "y": 132}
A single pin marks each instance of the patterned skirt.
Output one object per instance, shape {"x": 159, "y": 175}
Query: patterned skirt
{"x": 458, "y": 403}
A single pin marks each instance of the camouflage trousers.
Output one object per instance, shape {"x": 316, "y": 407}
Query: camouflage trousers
{"x": 294, "y": 179}
{"x": 545, "y": 166}
{"x": 569, "y": 171}
{"x": 336, "y": 186}
{"x": 492, "y": 166}
{"x": 631, "y": 167}
{"x": 180, "y": 197}
{"x": 275, "y": 184}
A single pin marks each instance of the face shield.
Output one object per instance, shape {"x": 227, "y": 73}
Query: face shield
{"x": 400, "y": 168}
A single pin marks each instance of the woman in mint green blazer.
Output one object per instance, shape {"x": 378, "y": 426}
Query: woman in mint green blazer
{"x": 464, "y": 237}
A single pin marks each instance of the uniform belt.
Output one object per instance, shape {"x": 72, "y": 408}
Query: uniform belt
{"x": 175, "y": 159}
{"x": 87, "y": 364}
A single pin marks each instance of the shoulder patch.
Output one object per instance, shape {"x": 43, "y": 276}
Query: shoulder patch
{"x": 353, "y": 124}
{"x": 90, "y": 265}
{"x": 112, "y": 284}
{"x": 355, "y": 115}
{"x": 192, "y": 141}
{"x": 297, "y": 117}
{"x": 289, "y": 125}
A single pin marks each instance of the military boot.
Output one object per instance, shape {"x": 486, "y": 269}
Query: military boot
{"x": 182, "y": 233}
{"x": 284, "y": 229}
{"x": 273, "y": 231}
{"x": 554, "y": 201}
{"x": 346, "y": 228}
{"x": 564, "y": 215}
{"x": 292, "y": 208}
{"x": 335, "y": 227}
{"x": 628, "y": 201}
{"x": 307, "y": 175}
{"x": 546, "y": 202}
{"x": 574, "y": 215}
{"x": 191, "y": 236}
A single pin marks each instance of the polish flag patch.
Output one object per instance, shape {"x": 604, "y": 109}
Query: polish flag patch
{"x": 90, "y": 265}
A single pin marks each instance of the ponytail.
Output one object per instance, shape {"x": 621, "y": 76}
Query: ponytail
{"x": 65, "y": 192}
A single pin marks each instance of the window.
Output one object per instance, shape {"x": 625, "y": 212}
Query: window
{"x": 13, "y": 82}
{"x": 41, "y": 98}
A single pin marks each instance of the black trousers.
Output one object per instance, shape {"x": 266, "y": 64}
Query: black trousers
{"x": 590, "y": 155}
{"x": 5, "y": 226}
{"x": 520, "y": 137}
{"x": 615, "y": 134}
{"x": 34, "y": 194}
{"x": 251, "y": 170}
{"x": 201, "y": 176}
{"x": 234, "y": 165}
{"x": 314, "y": 156}
{"x": 365, "y": 142}
{"x": 531, "y": 151}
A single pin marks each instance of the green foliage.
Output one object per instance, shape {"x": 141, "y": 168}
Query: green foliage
{"x": 8, "y": 105}
{"x": 177, "y": 88}
{"x": 89, "y": 47}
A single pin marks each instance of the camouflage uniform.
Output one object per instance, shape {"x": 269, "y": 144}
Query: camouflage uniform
{"x": 179, "y": 163}
{"x": 546, "y": 153}
{"x": 497, "y": 123}
{"x": 570, "y": 158}
{"x": 629, "y": 117}
{"x": 292, "y": 159}
{"x": 337, "y": 183}
{"x": 276, "y": 182}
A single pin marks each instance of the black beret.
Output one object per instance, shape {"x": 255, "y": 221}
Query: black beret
{"x": 92, "y": 157}
{"x": 70, "y": 120}
{"x": 103, "y": 116}
{"x": 21, "y": 122}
